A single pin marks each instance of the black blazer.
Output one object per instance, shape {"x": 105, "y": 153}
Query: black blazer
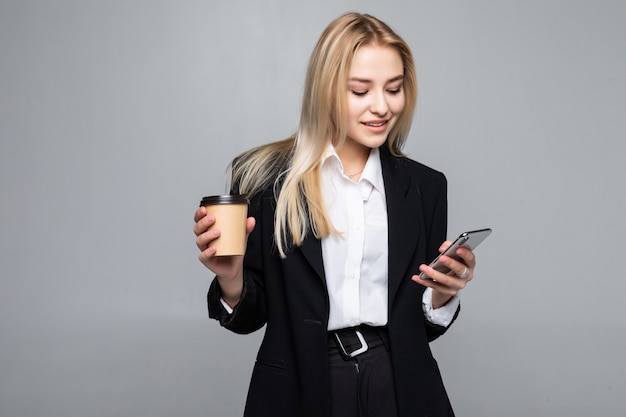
{"x": 291, "y": 376}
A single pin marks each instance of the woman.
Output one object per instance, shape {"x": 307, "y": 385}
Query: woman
{"x": 340, "y": 224}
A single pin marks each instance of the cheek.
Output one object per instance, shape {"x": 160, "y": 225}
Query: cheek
{"x": 355, "y": 108}
{"x": 397, "y": 104}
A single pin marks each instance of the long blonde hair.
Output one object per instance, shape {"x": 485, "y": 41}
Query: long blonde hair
{"x": 293, "y": 165}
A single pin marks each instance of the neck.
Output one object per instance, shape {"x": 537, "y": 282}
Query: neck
{"x": 353, "y": 159}
{"x": 354, "y": 176}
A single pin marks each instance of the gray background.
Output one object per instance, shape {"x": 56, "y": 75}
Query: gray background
{"x": 117, "y": 116}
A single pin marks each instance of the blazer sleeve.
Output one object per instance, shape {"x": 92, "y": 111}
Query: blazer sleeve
{"x": 437, "y": 234}
{"x": 433, "y": 331}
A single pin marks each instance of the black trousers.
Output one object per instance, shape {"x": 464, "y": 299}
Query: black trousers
{"x": 362, "y": 385}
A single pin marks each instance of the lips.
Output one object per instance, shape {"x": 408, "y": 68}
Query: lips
{"x": 375, "y": 123}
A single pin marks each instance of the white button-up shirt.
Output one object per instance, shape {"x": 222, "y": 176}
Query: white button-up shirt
{"x": 355, "y": 262}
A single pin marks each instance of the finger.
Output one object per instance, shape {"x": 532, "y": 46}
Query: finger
{"x": 200, "y": 213}
{"x": 250, "y": 224}
{"x": 439, "y": 285}
{"x": 203, "y": 241}
{"x": 203, "y": 224}
{"x": 458, "y": 268}
{"x": 453, "y": 265}
{"x": 206, "y": 255}
{"x": 444, "y": 245}
{"x": 468, "y": 256}
{"x": 441, "y": 280}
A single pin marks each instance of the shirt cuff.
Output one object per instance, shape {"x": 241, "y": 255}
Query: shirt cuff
{"x": 443, "y": 315}
{"x": 226, "y": 306}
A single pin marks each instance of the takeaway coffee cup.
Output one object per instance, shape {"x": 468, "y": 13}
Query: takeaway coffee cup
{"x": 230, "y": 213}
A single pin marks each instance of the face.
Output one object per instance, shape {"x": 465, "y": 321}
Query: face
{"x": 375, "y": 96}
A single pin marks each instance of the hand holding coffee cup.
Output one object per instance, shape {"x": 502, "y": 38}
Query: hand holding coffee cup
{"x": 221, "y": 230}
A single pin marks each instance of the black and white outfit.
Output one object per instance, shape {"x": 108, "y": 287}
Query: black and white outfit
{"x": 338, "y": 309}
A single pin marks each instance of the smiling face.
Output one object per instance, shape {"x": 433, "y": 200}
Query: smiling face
{"x": 375, "y": 96}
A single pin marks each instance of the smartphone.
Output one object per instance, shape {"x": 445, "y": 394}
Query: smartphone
{"x": 467, "y": 240}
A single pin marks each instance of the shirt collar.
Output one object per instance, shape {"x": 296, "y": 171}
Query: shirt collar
{"x": 372, "y": 172}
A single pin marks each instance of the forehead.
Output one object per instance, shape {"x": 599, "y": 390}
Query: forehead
{"x": 372, "y": 62}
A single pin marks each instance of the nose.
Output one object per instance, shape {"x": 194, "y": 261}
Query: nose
{"x": 379, "y": 105}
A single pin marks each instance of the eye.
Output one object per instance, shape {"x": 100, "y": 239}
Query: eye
{"x": 395, "y": 91}
{"x": 359, "y": 93}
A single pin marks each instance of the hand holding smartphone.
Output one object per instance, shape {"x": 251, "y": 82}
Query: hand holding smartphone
{"x": 469, "y": 240}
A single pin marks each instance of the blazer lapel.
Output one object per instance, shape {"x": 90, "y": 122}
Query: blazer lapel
{"x": 404, "y": 211}
{"x": 311, "y": 248}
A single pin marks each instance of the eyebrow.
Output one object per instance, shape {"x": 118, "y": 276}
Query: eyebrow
{"x": 367, "y": 81}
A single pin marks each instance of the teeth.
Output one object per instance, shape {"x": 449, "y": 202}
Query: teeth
{"x": 375, "y": 124}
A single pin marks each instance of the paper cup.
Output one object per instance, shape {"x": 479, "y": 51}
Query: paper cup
{"x": 230, "y": 213}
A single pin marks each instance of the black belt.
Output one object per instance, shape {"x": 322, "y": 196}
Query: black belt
{"x": 354, "y": 341}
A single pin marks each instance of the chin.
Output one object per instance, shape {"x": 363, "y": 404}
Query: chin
{"x": 375, "y": 142}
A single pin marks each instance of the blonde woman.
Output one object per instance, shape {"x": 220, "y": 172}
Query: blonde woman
{"x": 340, "y": 224}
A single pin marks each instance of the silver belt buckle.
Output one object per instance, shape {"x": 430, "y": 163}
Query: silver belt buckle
{"x": 360, "y": 350}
